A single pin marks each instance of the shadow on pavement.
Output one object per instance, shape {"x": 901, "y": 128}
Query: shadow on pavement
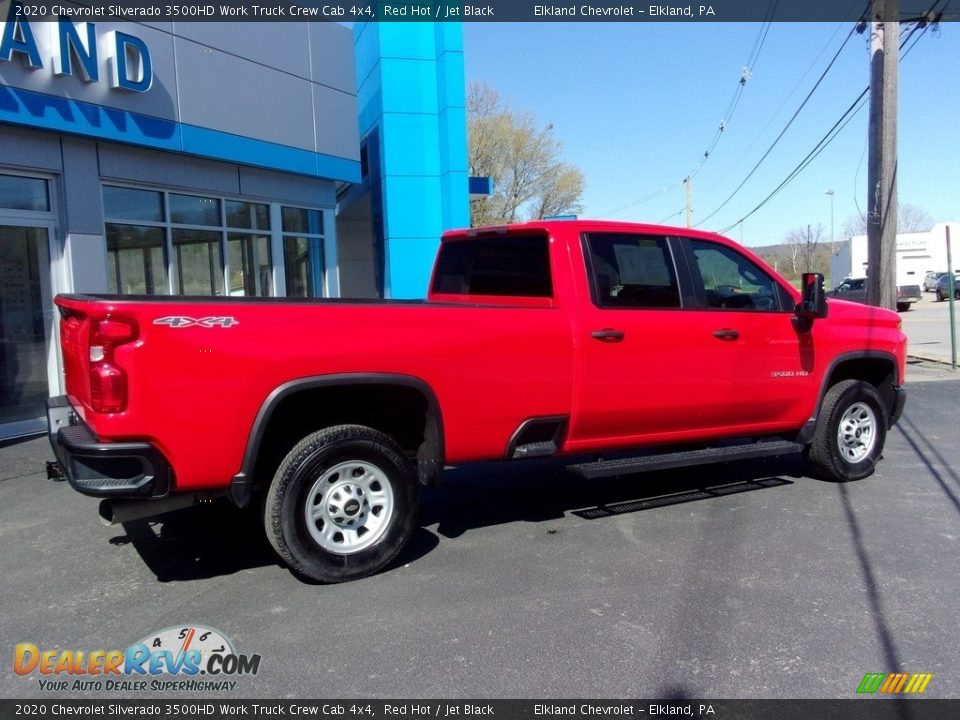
{"x": 537, "y": 491}
{"x": 217, "y": 539}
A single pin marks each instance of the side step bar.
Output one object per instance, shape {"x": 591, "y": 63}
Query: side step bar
{"x": 686, "y": 458}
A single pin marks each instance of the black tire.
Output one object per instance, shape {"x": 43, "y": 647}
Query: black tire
{"x": 311, "y": 471}
{"x": 833, "y": 456}
{"x": 903, "y": 307}
{"x": 940, "y": 298}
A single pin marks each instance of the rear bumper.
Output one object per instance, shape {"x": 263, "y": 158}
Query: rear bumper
{"x": 100, "y": 469}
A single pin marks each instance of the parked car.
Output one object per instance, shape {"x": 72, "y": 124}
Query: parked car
{"x": 854, "y": 289}
{"x": 930, "y": 280}
{"x": 943, "y": 287}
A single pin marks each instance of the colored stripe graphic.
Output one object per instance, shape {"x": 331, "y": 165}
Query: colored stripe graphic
{"x": 871, "y": 682}
{"x": 894, "y": 683}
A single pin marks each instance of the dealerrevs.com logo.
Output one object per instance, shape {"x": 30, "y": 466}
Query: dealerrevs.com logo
{"x": 184, "y": 653}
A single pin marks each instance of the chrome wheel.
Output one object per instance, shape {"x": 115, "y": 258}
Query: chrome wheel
{"x": 856, "y": 433}
{"x": 349, "y": 507}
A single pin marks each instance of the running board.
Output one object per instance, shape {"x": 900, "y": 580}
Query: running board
{"x": 686, "y": 458}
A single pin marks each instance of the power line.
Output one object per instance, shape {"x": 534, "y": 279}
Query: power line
{"x": 745, "y": 76}
{"x": 782, "y": 132}
{"x": 731, "y": 108}
{"x": 792, "y": 92}
{"x": 832, "y": 133}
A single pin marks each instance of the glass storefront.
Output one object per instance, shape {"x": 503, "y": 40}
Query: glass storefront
{"x": 162, "y": 242}
{"x": 26, "y": 304}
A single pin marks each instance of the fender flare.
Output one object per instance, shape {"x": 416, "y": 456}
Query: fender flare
{"x": 430, "y": 455}
{"x": 805, "y": 435}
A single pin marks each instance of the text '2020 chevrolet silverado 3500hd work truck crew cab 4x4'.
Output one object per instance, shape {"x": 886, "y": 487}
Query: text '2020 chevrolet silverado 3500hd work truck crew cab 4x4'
{"x": 542, "y": 339}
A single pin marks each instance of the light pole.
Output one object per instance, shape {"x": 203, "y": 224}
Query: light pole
{"x": 830, "y": 193}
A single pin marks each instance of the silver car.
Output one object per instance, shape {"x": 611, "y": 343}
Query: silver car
{"x": 930, "y": 280}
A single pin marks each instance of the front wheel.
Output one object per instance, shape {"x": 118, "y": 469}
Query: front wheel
{"x": 342, "y": 504}
{"x": 850, "y": 433}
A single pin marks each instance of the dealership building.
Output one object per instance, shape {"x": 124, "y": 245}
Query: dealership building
{"x": 299, "y": 160}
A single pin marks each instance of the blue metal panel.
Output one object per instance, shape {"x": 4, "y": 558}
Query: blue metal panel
{"x": 410, "y": 145}
{"x": 410, "y": 261}
{"x": 409, "y": 86}
{"x": 412, "y": 207}
{"x": 451, "y": 83}
{"x": 412, "y": 40}
{"x": 411, "y": 98}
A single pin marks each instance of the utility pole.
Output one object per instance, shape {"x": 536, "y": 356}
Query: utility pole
{"x": 882, "y": 138}
{"x": 688, "y": 186}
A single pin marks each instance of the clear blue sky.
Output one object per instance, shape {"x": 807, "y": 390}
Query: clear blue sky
{"x": 637, "y": 104}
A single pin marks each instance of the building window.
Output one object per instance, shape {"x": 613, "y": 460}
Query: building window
{"x": 24, "y": 193}
{"x": 248, "y": 248}
{"x": 135, "y": 260}
{"x": 303, "y": 251}
{"x": 163, "y": 242}
{"x": 136, "y": 241}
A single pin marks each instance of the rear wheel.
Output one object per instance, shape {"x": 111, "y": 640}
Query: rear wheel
{"x": 903, "y": 306}
{"x": 850, "y": 433}
{"x": 343, "y": 503}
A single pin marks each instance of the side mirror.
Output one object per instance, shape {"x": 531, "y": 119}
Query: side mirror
{"x": 813, "y": 301}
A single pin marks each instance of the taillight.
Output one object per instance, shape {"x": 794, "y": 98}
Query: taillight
{"x": 108, "y": 382}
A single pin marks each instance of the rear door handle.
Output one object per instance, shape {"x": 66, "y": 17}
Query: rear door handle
{"x": 608, "y": 335}
{"x": 726, "y": 334}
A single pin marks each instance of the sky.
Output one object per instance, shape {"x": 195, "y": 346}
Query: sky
{"x": 636, "y": 105}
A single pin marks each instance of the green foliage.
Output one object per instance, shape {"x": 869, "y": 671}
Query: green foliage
{"x": 529, "y": 180}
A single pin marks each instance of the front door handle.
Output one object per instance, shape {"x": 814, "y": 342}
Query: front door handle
{"x": 608, "y": 335}
{"x": 726, "y": 334}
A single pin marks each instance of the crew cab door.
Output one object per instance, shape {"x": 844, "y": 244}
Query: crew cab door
{"x": 643, "y": 366}
{"x": 759, "y": 358}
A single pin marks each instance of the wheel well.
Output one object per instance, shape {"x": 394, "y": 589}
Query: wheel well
{"x": 879, "y": 372}
{"x": 403, "y": 412}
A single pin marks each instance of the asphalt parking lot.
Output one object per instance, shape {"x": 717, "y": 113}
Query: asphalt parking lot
{"x": 744, "y": 580}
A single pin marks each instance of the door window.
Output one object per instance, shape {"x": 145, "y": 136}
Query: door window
{"x": 731, "y": 281}
{"x": 631, "y": 271}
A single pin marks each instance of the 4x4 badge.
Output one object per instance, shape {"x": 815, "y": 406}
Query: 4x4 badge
{"x": 180, "y": 321}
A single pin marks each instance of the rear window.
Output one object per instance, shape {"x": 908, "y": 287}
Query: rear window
{"x": 508, "y": 266}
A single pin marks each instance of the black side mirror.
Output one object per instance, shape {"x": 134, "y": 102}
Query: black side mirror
{"x": 813, "y": 301}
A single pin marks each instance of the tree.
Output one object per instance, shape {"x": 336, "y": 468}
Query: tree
{"x": 800, "y": 250}
{"x": 910, "y": 218}
{"x": 529, "y": 180}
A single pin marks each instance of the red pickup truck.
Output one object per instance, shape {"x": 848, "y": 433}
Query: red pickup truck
{"x": 541, "y": 339}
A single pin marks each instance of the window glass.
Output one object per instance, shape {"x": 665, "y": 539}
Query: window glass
{"x": 194, "y": 210}
{"x": 249, "y": 257}
{"x": 301, "y": 220}
{"x": 198, "y": 265}
{"x": 135, "y": 260}
{"x": 21, "y": 193}
{"x": 632, "y": 271}
{"x": 302, "y": 258}
{"x": 130, "y": 204}
{"x": 512, "y": 266}
{"x": 253, "y": 216}
{"x": 731, "y": 281}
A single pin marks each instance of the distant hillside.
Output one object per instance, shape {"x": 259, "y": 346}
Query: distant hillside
{"x": 779, "y": 257}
